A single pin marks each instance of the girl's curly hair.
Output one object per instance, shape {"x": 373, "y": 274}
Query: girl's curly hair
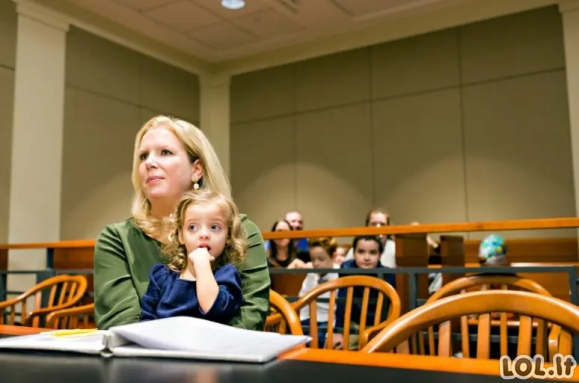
{"x": 236, "y": 245}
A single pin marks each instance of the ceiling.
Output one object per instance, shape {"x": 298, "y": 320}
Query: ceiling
{"x": 205, "y": 29}
{"x": 203, "y": 37}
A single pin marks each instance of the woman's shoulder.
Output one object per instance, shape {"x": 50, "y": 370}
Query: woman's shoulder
{"x": 248, "y": 224}
{"x": 119, "y": 227}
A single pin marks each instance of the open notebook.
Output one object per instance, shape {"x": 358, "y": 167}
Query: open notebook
{"x": 178, "y": 337}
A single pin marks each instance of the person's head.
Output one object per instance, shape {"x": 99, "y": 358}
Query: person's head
{"x": 284, "y": 244}
{"x": 210, "y": 220}
{"x": 295, "y": 220}
{"x": 367, "y": 251}
{"x": 339, "y": 255}
{"x": 282, "y": 225}
{"x": 492, "y": 250}
{"x": 378, "y": 218}
{"x": 171, "y": 157}
{"x": 321, "y": 250}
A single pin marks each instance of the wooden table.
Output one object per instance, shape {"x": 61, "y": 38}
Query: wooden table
{"x": 20, "y": 330}
{"x": 474, "y": 367}
{"x": 414, "y": 362}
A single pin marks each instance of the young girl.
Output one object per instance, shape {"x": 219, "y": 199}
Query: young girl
{"x": 367, "y": 251}
{"x": 200, "y": 272}
{"x": 321, "y": 250}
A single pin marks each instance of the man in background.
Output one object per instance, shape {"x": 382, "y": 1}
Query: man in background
{"x": 295, "y": 220}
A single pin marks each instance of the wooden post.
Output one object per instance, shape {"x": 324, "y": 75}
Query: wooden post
{"x": 411, "y": 251}
{"x": 452, "y": 254}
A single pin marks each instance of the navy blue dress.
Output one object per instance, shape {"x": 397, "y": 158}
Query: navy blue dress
{"x": 168, "y": 296}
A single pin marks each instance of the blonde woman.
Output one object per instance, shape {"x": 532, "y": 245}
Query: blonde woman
{"x": 171, "y": 157}
{"x": 200, "y": 275}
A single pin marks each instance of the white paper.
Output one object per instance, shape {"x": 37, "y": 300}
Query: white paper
{"x": 87, "y": 343}
{"x": 202, "y": 337}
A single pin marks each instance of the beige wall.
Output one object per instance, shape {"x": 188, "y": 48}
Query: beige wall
{"x": 469, "y": 124}
{"x": 464, "y": 124}
{"x": 110, "y": 92}
{"x": 7, "y": 64}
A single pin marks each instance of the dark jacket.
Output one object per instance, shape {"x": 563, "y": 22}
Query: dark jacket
{"x": 356, "y": 311}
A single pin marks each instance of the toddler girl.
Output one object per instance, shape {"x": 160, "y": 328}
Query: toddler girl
{"x": 199, "y": 278}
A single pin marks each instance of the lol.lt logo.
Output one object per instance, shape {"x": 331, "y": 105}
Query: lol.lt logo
{"x": 525, "y": 367}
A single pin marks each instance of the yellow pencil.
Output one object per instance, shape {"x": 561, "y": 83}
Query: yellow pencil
{"x": 71, "y": 332}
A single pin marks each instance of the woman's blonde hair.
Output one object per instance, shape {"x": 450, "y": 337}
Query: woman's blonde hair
{"x": 198, "y": 147}
{"x": 236, "y": 245}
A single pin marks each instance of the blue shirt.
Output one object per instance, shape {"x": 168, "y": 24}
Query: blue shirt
{"x": 168, "y": 296}
{"x": 301, "y": 244}
{"x": 356, "y": 312}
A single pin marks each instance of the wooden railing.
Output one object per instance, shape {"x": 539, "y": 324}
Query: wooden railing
{"x": 78, "y": 254}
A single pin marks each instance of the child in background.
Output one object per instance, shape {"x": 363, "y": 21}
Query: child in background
{"x": 200, "y": 278}
{"x": 339, "y": 255}
{"x": 321, "y": 250}
{"x": 493, "y": 251}
{"x": 367, "y": 252}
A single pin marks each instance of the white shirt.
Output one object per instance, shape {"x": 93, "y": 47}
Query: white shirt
{"x": 388, "y": 257}
{"x": 311, "y": 281}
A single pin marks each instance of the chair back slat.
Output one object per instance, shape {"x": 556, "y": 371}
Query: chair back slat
{"x": 484, "y": 282}
{"x": 61, "y": 292}
{"x": 349, "y": 284}
{"x": 526, "y": 304}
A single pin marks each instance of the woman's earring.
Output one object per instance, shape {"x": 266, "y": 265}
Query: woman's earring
{"x": 196, "y": 186}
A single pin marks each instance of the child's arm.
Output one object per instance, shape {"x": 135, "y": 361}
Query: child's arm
{"x": 152, "y": 296}
{"x": 220, "y": 293}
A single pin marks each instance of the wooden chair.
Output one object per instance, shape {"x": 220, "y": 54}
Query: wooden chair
{"x": 488, "y": 282}
{"x": 383, "y": 288}
{"x": 527, "y": 304}
{"x": 72, "y": 318}
{"x": 482, "y": 282}
{"x": 283, "y": 310}
{"x": 64, "y": 291}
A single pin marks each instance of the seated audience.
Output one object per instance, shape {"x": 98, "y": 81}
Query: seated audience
{"x": 295, "y": 221}
{"x": 367, "y": 251}
{"x": 321, "y": 250}
{"x": 200, "y": 279}
{"x": 283, "y": 252}
{"x": 378, "y": 218}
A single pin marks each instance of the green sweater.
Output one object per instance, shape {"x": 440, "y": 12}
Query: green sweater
{"x": 124, "y": 256}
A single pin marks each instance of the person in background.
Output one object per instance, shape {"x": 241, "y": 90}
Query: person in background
{"x": 294, "y": 219}
{"x": 367, "y": 251}
{"x": 297, "y": 223}
{"x": 493, "y": 251}
{"x": 339, "y": 255}
{"x": 200, "y": 278}
{"x": 379, "y": 218}
{"x": 321, "y": 250}
{"x": 283, "y": 252}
